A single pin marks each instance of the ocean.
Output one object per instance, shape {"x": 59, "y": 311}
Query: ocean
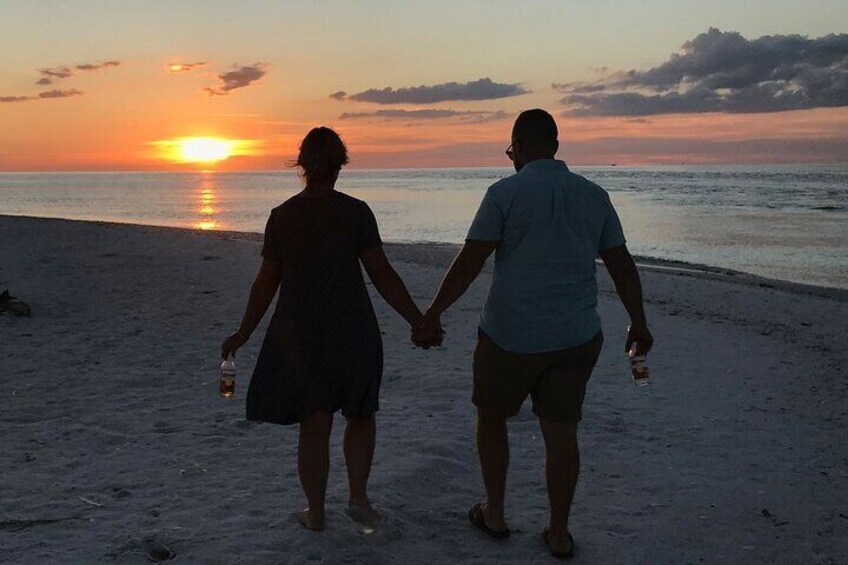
{"x": 787, "y": 222}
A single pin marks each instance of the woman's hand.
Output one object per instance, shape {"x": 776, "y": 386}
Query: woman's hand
{"x": 428, "y": 332}
{"x": 232, "y": 343}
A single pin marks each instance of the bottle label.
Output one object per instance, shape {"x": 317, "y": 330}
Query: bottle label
{"x": 227, "y": 386}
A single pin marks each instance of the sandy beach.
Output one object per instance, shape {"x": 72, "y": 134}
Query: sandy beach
{"x": 114, "y": 436}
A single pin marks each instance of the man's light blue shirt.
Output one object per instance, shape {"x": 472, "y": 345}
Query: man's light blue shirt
{"x": 550, "y": 224}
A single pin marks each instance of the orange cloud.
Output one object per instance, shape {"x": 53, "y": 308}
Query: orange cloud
{"x": 177, "y": 67}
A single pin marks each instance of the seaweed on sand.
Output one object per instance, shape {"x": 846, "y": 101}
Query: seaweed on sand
{"x": 9, "y": 304}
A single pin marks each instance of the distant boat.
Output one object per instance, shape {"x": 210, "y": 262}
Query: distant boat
{"x": 613, "y": 165}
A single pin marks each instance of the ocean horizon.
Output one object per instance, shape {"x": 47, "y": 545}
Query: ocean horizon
{"x": 787, "y": 221}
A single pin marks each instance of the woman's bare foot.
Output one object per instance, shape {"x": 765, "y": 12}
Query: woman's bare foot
{"x": 363, "y": 513}
{"x": 310, "y": 520}
{"x": 561, "y": 546}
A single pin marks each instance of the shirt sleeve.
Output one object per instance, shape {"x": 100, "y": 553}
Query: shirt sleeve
{"x": 270, "y": 248}
{"x": 369, "y": 234}
{"x": 488, "y": 224}
{"x": 612, "y": 234}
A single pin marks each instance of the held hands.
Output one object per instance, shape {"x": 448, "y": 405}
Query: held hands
{"x": 232, "y": 343}
{"x": 640, "y": 335}
{"x": 428, "y": 332}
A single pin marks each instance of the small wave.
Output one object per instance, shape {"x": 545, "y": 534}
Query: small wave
{"x": 830, "y": 208}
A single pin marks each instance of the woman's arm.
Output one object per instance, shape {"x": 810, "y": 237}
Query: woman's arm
{"x": 389, "y": 284}
{"x": 261, "y": 295}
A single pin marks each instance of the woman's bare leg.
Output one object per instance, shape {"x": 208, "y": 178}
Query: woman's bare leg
{"x": 359, "y": 439}
{"x": 313, "y": 466}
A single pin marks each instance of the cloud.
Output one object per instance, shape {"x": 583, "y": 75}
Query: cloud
{"x": 177, "y": 67}
{"x": 47, "y": 94}
{"x": 8, "y": 99}
{"x": 489, "y": 117}
{"x": 98, "y": 66}
{"x": 238, "y": 78}
{"x": 724, "y": 72}
{"x": 60, "y": 93}
{"x": 482, "y": 89}
{"x": 579, "y": 87}
{"x": 50, "y": 75}
{"x": 466, "y": 116}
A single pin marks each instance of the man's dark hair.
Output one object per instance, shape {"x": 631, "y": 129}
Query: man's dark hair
{"x": 535, "y": 128}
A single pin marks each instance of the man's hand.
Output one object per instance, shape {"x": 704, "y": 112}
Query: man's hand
{"x": 428, "y": 333}
{"x": 640, "y": 335}
{"x": 232, "y": 343}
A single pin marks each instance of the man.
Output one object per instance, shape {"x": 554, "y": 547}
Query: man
{"x": 539, "y": 334}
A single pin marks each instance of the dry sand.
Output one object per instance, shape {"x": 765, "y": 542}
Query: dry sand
{"x": 113, "y": 434}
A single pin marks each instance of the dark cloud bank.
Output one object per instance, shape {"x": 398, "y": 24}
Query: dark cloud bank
{"x": 482, "y": 89}
{"x": 724, "y": 72}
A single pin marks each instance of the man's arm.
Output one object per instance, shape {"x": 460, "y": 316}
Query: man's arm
{"x": 389, "y": 284}
{"x": 464, "y": 269}
{"x": 624, "y": 274}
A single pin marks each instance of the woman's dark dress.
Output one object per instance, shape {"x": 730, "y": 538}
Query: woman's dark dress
{"x": 323, "y": 350}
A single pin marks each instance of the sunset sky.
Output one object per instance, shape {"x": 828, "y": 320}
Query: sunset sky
{"x": 113, "y": 85}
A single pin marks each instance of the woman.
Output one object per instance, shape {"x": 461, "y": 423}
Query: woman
{"x": 323, "y": 351}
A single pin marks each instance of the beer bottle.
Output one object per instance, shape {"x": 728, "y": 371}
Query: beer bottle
{"x": 638, "y": 366}
{"x": 227, "y": 383}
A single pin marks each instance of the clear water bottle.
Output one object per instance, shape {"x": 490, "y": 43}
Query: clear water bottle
{"x": 638, "y": 366}
{"x": 227, "y": 383}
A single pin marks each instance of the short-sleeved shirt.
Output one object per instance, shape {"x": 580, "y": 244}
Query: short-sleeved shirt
{"x": 550, "y": 224}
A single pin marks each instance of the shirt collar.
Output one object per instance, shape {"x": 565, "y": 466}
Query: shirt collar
{"x": 545, "y": 165}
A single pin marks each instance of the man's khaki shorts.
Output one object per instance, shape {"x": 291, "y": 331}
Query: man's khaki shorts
{"x": 556, "y": 380}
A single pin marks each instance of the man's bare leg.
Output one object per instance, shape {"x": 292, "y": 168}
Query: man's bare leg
{"x": 359, "y": 439}
{"x": 313, "y": 466}
{"x": 493, "y": 450}
{"x": 562, "y": 469}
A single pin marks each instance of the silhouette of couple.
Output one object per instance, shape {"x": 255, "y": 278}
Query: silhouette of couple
{"x": 539, "y": 333}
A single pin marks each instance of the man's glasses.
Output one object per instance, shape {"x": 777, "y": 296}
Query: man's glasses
{"x": 510, "y": 152}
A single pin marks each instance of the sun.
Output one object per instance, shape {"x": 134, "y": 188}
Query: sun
{"x": 204, "y": 149}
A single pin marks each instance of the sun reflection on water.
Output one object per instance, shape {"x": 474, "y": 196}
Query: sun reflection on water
{"x": 206, "y": 225}
{"x": 208, "y": 205}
